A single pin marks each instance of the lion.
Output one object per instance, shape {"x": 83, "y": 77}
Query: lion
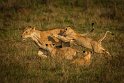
{"x": 64, "y": 52}
{"x": 70, "y": 35}
{"x": 41, "y": 38}
{"x": 86, "y": 60}
{"x": 67, "y": 41}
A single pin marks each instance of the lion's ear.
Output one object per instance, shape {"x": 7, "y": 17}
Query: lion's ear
{"x": 46, "y": 44}
{"x": 84, "y": 51}
{"x": 33, "y": 28}
{"x": 66, "y": 29}
{"x": 53, "y": 44}
{"x": 29, "y": 26}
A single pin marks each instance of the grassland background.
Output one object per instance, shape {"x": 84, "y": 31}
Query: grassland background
{"x": 19, "y": 62}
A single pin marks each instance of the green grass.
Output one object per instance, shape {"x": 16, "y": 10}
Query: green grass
{"x": 19, "y": 62}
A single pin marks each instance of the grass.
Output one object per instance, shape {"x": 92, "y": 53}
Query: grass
{"x": 19, "y": 62}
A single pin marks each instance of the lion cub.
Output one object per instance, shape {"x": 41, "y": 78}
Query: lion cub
{"x": 69, "y": 35}
{"x": 65, "y": 52}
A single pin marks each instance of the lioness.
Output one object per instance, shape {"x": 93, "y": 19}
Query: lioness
{"x": 86, "y": 60}
{"x": 41, "y": 37}
{"x": 70, "y": 35}
{"x": 64, "y": 52}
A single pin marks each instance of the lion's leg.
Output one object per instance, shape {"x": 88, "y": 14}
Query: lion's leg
{"x": 93, "y": 49}
{"x": 42, "y": 54}
{"x": 62, "y": 38}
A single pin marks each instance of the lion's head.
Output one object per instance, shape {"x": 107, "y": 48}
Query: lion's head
{"x": 68, "y": 31}
{"x": 28, "y": 32}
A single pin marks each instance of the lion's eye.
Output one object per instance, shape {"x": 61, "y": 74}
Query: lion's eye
{"x": 83, "y": 51}
{"x": 66, "y": 29}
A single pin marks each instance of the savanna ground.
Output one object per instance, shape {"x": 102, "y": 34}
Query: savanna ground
{"x": 19, "y": 62}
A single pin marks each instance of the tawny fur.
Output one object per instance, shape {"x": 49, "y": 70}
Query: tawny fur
{"x": 70, "y": 35}
{"x": 65, "y": 52}
{"x": 41, "y": 37}
{"x": 86, "y": 60}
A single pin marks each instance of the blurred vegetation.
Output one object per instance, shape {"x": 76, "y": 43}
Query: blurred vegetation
{"x": 19, "y": 61}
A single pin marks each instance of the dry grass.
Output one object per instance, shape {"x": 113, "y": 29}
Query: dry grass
{"x": 19, "y": 61}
